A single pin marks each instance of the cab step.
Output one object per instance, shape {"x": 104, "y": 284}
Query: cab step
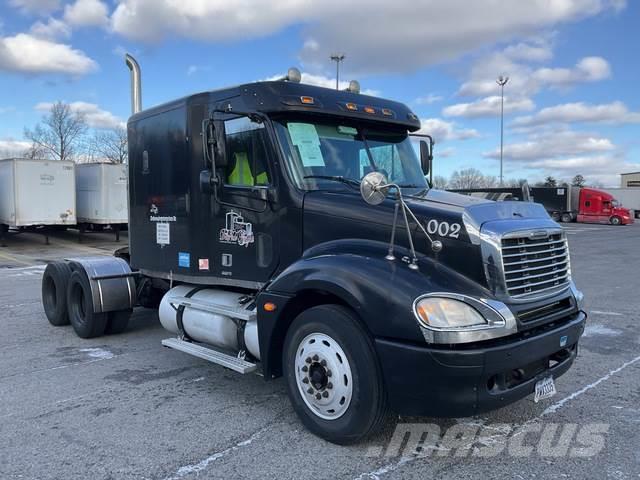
{"x": 207, "y": 353}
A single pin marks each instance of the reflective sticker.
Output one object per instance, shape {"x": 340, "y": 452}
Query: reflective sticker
{"x": 203, "y": 264}
{"x": 227, "y": 260}
{"x": 236, "y": 230}
{"x": 184, "y": 259}
{"x": 163, "y": 234}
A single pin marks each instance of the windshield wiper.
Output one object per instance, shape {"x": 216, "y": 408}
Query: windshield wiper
{"x": 337, "y": 178}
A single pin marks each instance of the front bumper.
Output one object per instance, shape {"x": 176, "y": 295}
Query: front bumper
{"x": 439, "y": 382}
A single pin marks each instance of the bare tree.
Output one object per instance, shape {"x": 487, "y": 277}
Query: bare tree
{"x": 515, "y": 182}
{"x": 58, "y": 135}
{"x": 440, "y": 182}
{"x": 467, "y": 178}
{"x": 578, "y": 181}
{"x": 110, "y": 145}
{"x": 489, "y": 181}
{"x": 550, "y": 182}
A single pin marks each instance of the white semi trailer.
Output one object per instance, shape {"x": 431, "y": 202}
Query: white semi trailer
{"x": 628, "y": 197}
{"x": 35, "y": 193}
{"x": 101, "y": 193}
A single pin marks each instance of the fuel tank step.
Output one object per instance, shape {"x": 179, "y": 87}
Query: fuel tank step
{"x": 207, "y": 353}
{"x": 229, "y": 311}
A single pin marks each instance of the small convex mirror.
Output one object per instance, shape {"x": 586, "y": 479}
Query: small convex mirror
{"x": 374, "y": 188}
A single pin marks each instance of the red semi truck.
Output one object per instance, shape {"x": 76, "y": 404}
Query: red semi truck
{"x": 581, "y": 204}
{"x": 564, "y": 204}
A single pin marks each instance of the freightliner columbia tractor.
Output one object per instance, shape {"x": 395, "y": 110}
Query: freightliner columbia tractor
{"x": 289, "y": 230}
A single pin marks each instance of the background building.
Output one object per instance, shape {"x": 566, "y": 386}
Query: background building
{"x": 631, "y": 179}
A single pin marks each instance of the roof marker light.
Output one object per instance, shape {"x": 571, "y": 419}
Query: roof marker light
{"x": 307, "y": 100}
{"x": 388, "y": 112}
{"x": 369, "y": 110}
{"x": 351, "y": 106}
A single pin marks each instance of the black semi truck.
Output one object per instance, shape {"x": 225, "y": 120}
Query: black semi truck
{"x": 288, "y": 230}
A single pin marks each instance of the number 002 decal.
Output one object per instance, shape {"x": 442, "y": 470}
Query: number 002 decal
{"x": 443, "y": 229}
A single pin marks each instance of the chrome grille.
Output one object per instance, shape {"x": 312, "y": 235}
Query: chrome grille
{"x": 534, "y": 265}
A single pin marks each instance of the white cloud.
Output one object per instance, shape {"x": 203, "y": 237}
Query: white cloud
{"x": 85, "y": 13}
{"x": 13, "y": 148}
{"x": 603, "y": 169}
{"x": 93, "y": 114}
{"x": 28, "y": 54}
{"x": 589, "y": 69}
{"x": 52, "y": 29}
{"x": 526, "y": 81}
{"x": 397, "y": 37}
{"x": 563, "y": 153}
{"x": 445, "y": 152}
{"x": 428, "y": 99}
{"x": 442, "y": 130}
{"x": 613, "y": 113}
{"x": 488, "y": 107}
{"x": 194, "y": 69}
{"x": 36, "y": 6}
{"x": 529, "y": 52}
{"x": 552, "y": 145}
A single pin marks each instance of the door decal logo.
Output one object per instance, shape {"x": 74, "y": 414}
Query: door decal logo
{"x": 236, "y": 231}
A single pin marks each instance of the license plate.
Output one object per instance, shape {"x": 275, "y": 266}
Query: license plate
{"x": 545, "y": 388}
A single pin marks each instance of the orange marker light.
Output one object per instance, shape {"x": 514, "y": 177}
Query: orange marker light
{"x": 369, "y": 110}
{"x": 269, "y": 307}
{"x": 352, "y": 106}
{"x": 387, "y": 112}
{"x": 307, "y": 100}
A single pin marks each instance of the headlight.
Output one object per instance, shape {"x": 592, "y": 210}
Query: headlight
{"x": 448, "y": 318}
{"x": 444, "y": 313}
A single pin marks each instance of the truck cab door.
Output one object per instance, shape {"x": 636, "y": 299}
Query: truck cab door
{"x": 606, "y": 211}
{"x": 247, "y": 215}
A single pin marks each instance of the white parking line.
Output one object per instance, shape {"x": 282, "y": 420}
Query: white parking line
{"x": 556, "y": 406}
{"x": 200, "y": 466}
{"x": 390, "y": 467}
{"x": 600, "y": 312}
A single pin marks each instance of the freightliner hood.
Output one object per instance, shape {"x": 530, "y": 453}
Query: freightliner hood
{"x": 454, "y": 219}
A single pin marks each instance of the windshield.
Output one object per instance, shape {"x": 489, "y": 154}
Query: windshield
{"x": 337, "y": 155}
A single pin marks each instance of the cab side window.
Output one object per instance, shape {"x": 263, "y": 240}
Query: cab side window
{"x": 246, "y": 153}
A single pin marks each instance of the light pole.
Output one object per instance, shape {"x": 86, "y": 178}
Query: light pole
{"x": 502, "y": 81}
{"x": 338, "y": 57}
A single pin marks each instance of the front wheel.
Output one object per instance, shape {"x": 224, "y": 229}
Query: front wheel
{"x": 615, "y": 220}
{"x": 332, "y": 373}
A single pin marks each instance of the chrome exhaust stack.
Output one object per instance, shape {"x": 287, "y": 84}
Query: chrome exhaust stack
{"x": 136, "y": 84}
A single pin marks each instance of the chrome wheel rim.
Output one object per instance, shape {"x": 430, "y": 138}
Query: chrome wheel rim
{"x": 323, "y": 376}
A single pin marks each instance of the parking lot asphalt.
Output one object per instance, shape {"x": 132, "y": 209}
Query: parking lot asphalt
{"x": 124, "y": 407}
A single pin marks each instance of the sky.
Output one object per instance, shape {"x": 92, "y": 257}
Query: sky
{"x": 571, "y": 102}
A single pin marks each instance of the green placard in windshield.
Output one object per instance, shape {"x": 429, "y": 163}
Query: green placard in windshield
{"x": 347, "y": 130}
{"x": 305, "y": 137}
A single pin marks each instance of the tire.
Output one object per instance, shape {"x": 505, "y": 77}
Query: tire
{"x": 117, "y": 322}
{"x": 54, "y": 293}
{"x": 84, "y": 321}
{"x": 555, "y": 216}
{"x": 349, "y": 410}
{"x": 615, "y": 220}
{"x": 565, "y": 218}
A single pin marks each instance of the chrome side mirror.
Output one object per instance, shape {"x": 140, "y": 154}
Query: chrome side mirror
{"x": 374, "y": 188}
